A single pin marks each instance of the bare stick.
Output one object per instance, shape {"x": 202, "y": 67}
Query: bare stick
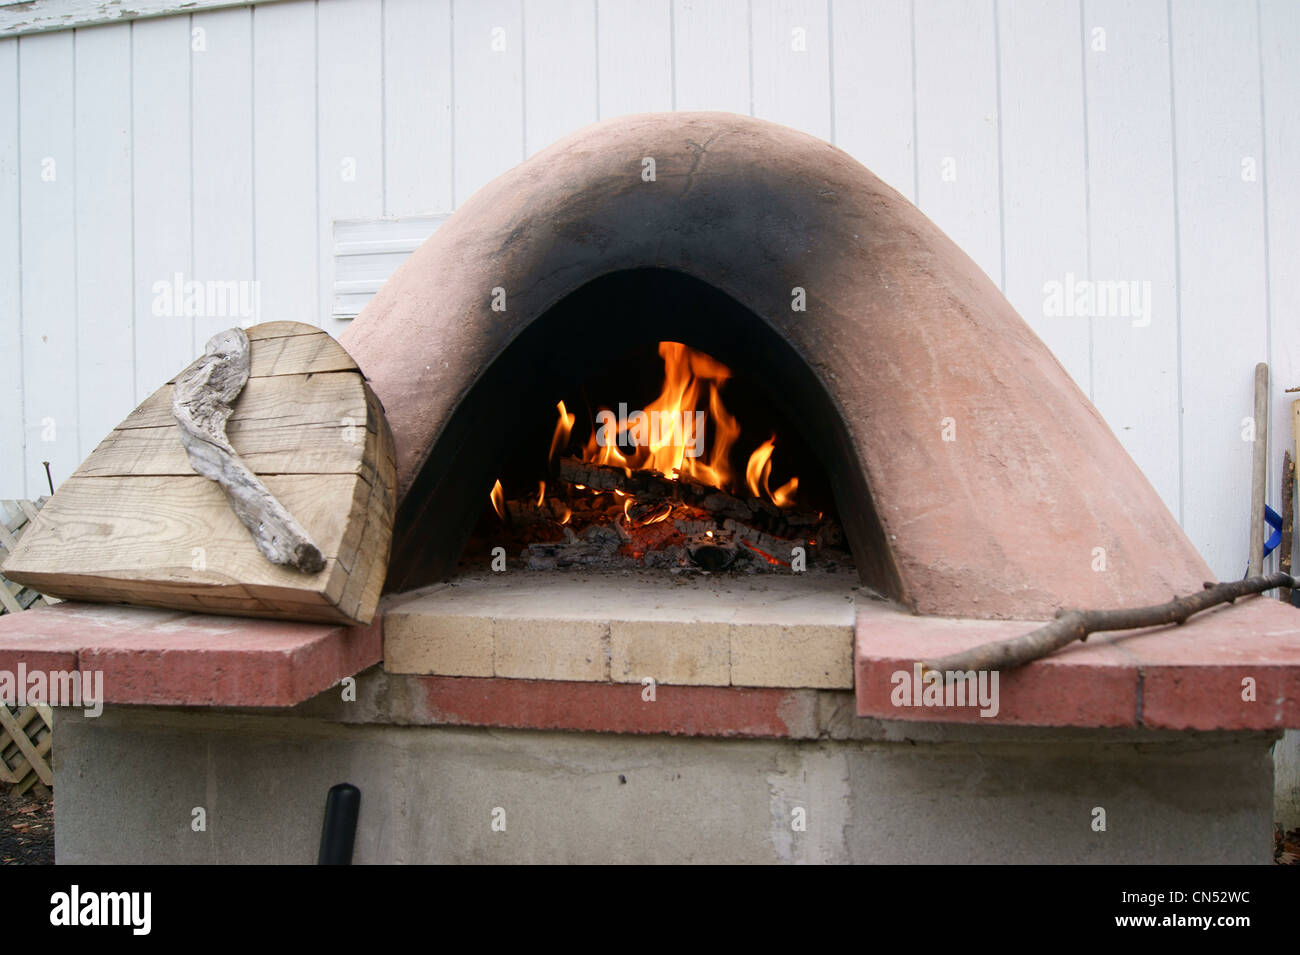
{"x": 201, "y": 403}
{"x": 1288, "y": 520}
{"x": 1073, "y": 625}
{"x": 1259, "y": 472}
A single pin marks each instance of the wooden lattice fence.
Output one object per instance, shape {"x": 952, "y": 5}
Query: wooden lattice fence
{"x": 26, "y": 733}
{"x": 26, "y": 736}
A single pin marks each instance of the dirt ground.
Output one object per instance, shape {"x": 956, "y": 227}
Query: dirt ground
{"x": 27, "y": 827}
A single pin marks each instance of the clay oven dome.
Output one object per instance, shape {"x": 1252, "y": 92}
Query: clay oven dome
{"x": 904, "y": 342}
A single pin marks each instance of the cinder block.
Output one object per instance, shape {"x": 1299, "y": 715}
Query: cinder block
{"x": 530, "y": 649}
{"x": 796, "y": 656}
{"x": 684, "y": 654}
{"x": 442, "y": 645}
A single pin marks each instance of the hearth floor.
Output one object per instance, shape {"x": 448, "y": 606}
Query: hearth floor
{"x": 630, "y": 627}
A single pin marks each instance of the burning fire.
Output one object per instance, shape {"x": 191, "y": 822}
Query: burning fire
{"x": 759, "y": 468}
{"x": 670, "y": 425}
{"x": 498, "y": 496}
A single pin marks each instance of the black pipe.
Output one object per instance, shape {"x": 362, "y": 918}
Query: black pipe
{"x": 339, "y": 832}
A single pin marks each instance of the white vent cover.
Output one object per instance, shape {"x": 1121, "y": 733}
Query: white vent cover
{"x": 367, "y": 251}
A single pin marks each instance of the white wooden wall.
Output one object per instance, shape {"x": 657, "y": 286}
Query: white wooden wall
{"x": 1110, "y": 139}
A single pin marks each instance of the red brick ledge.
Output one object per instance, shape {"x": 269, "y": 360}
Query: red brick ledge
{"x": 1174, "y": 678}
{"x": 172, "y": 658}
{"x": 725, "y": 711}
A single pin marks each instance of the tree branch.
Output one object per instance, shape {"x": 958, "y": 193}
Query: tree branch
{"x": 1073, "y": 625}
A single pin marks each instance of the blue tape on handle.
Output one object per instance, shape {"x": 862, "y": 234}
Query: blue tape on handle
{"x": 1274, "y": 520}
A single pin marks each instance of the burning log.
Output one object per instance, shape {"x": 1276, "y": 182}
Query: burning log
{"x": 607, "y": 515}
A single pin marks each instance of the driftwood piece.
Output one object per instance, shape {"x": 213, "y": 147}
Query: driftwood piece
{"x": 1073, "y": 625}
{"x": 201, "y": 403}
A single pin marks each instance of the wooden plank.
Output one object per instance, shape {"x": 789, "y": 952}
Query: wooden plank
{"x": 957, "y": 126}
{"x": 49, "y": 313}
{"x": 639, "y": 33}
{"x": 489, "y": 105}
{"x": 284, "y": 162}
{"x": 1280, "y": 73}
{"x": 118, "y": 531}
{"x": 711, "y": 42}
{"x": 295, "y": 400}
{"x": 105, "y": 286}
{"x": 160, "y": 65}
{"x": 560, "y": 78}
{"x": 417, "y": 107}
{"x": 1224, "y": 331}
{"x": 12, "y": 437}
{"x": 350, "y": 130}
{"x": 1132, "y": 214}
{"x": 791, "y": 50}
{"x": 221, "y": 47}
{"x": 874, "y": 106}
{"x": 1043, "y": 173}
{"x": 159, "y": 526}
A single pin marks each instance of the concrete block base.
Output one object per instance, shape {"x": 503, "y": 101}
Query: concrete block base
{"x": 129, "y": 786}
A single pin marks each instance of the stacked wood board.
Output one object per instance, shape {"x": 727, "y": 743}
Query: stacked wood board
{"x": 135, "y": 523}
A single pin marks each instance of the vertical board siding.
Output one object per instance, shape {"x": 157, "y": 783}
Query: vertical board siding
{"x": 1103, "y": 140}
{"x": 49, "y": 297}
{"x": 792, "y": 54}
{"x": 221, "y": 58}
{"x": 489, "y": 103}
{"x": 12, "y": 436}
{"x": 284, "y": 162}
{"x": 104, "y": 245}
{"x": 417, "y": 107}
{"x": 1224, "y": 333}
{"x": 958, "y": 152}
{"x": 711, "y": 61}
{"x": 1044, "y": 185}
{"x": 1132, "y": 234}
{"x": 560, "y": 77}
{"x": 163, "y": 203}
{"x": 874, "y": 103}
{"x": 635, "y": 56}
{"x": 350, "y": 127}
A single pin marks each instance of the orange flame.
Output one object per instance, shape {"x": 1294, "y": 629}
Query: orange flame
{"x": 498, "y": 498}
{"x": 665, "y": 435}
{"x": 759, "y": 469}
{"x": 760, "y": 463}
{"x": 562, "y": 429}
